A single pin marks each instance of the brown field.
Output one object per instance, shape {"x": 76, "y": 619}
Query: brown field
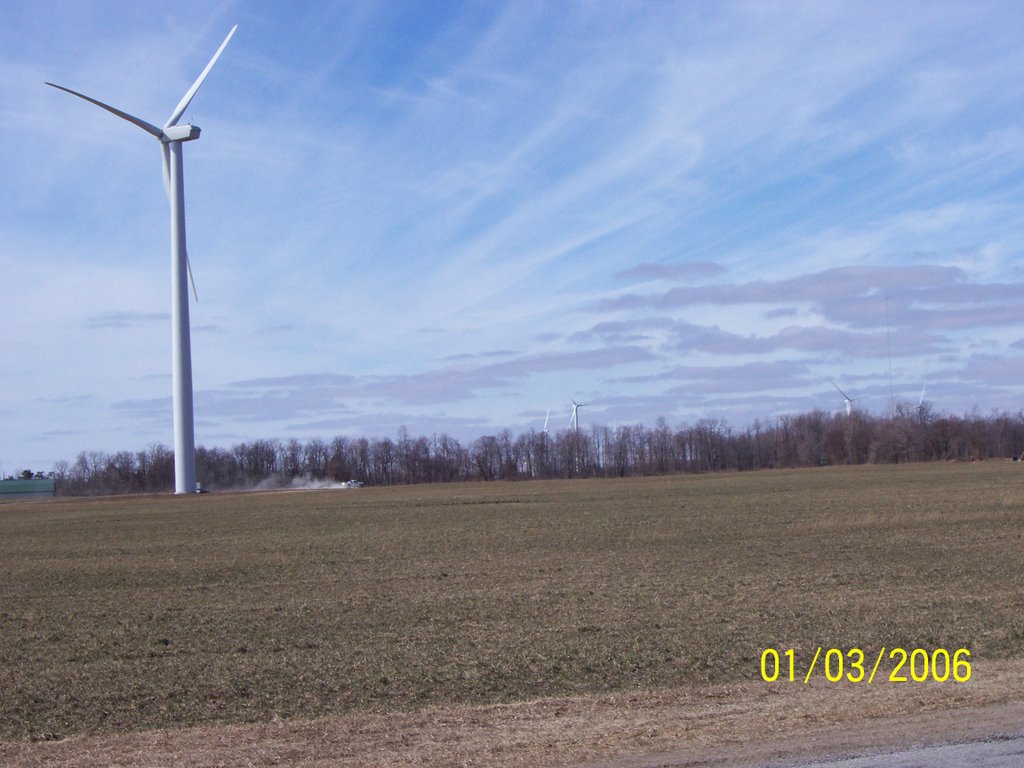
{"x": 121, "y": 615}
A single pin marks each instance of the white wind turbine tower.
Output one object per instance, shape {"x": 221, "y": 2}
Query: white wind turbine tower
{"x": 171, "y": 137}
{"x": 847, "y": 400}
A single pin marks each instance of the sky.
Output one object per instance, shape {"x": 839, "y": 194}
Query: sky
{"x": 455, "y": 217}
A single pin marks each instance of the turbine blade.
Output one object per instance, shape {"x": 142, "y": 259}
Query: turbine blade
{"x": 147, "y": 127}
{"x": 546, "y": 417}
{"x": 921, "y": 400}
{"x": 187, "y": 98}
{"x": 191, "y": 280}
{"x": 167, "y": 188}
{"x": 839, "y": 390}
{"x": 167, "y": 169}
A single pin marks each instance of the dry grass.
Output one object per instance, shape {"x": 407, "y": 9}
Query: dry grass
{"x": 120, "y": 615}
{"x": 734, "y": 724}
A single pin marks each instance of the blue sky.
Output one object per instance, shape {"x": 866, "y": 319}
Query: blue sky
{"x": 455, "y": 216}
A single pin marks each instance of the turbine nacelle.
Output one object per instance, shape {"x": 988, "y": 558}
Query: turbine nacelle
{"x": 847, "y": 400}
{"x": 180, "y": 133}
{"x": 574, "y": 419}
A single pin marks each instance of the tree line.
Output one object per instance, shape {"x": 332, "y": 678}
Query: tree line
{"x": 815, "y": 438}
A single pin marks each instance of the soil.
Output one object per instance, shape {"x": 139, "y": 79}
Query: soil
{"x": 744, "y": 724}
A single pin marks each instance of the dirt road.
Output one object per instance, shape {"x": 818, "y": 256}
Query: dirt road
{"x": 990, "y": 736}
{"x": 993, "y": 753}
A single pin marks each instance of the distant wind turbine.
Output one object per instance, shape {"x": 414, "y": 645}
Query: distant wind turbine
{"x": 546, "y": 417}
{"x": 920, "y": 400}
{"x": 171, "y": 137}
{"x": 574, "y": 420}
{"x": 847, "y": 400}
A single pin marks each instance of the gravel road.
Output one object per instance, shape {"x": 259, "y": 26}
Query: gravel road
{"x": 995, "y": 753}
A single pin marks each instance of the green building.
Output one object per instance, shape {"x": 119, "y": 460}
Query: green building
{"x": 27, "y": 489}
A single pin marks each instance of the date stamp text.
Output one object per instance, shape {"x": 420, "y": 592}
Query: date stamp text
{"x": 892, "y": 665}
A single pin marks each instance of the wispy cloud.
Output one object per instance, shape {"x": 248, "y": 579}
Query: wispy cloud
{"x": 675, "y": 272}
{"x": 125, "y": 319}
{"x": 921, "y": 296}
{"x": 468, "y": 213}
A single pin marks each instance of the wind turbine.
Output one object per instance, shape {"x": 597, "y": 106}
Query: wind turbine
{"x": 546, "y": 417}
{"x": 920, "y": 400}
{"x": 847, "y": 400}
{"x": 171, "y": 137}
{"x": 574, "y": 420}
